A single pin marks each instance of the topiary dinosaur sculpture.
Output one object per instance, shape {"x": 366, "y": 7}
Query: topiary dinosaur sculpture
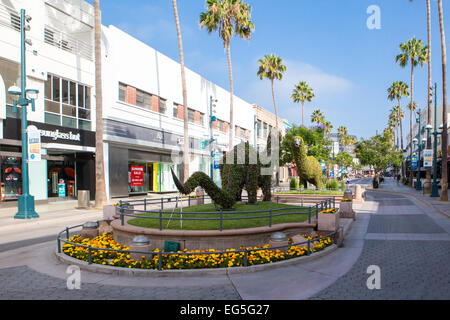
{"x": 241, "y": 170}
{"x": 308, "y": 168}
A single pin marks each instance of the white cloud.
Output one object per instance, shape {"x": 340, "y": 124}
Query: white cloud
{"x": 326, "y": 86}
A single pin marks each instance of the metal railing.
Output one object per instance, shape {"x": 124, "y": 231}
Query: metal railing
{"x": 127, "y": 209}
{"x": 9, "y": 17}
{"x": 161, "y": 254}
{"x": 67, "y": 42}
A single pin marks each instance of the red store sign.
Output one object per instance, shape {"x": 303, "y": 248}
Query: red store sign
{"x": 137, "y": 176}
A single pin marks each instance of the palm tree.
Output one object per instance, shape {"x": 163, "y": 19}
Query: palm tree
{"x": 398, "y": 116}
{"x": 444, "y": 182}
{"x": 427, "y": 188}
{"x": 228, "y": 18}
{"x": 317, "y": 117}
{"x": 415, "y": 53}
{"x": 327, "y": 127}
{"x": 393, "y": 122}
{"x": 100, "y": 187}
{"x": 343, "y": 135}
{"x": 185, "y": 104}
{"x": 271, "y": 67}
{"x": 302, "y": 92}
{"x": 398, "y": 90}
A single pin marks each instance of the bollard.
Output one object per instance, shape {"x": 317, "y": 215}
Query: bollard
{"x": 140, "y": 243}
{"x": 89, "y": 230}
{"x": 279, "y": 239}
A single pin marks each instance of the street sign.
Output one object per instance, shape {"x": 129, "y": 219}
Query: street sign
{"x": 428, "y": 158}
{"x": 217, "y": 161}
{"x": 414, "y": 163}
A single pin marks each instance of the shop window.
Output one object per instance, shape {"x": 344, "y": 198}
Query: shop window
{"x": 11, "y": 178}
{"x": 52, "y": 119}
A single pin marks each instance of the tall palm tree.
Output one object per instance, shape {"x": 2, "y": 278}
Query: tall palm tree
{"x": 444, "y": 180}
{"x": 415, "y": 53}
{"x": 343, "y": 135}
{"x": 327, "y": 127}
{"x": 271, "y": 67}
{"x": 427, "y": 187}
{"x": 185, "y": 103}
{"x": 398, "y": 90}
{"x": 317, "y": 117}
{"x": 302, "y": 92}
{"x": 398, "y": 116}
{"x": 100, "y": 187}
{"x": 228, "y": 18}
{"x": 393, "y": 122}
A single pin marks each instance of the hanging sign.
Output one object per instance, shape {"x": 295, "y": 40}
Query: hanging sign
{"x": 414, "y": 163}
{"x": 428, "y": 158}
{"x": 34, "y": 144}
{"x": 137, "y": 176}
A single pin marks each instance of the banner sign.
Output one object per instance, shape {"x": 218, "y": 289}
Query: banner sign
{"x": 414, "y": 163}
{"x": 428, "y": 158}
{"x": 34, "y": 144}
{"x": 217, "y": 161}
{"x": 137, "y": 176}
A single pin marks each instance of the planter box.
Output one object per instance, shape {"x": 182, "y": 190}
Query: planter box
{"x": 109, "y": 212}
{"x": 328, "y": 222}
{"x": 346, "y": 210}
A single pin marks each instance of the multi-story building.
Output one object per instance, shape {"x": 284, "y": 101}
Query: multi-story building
{"x": 144, "y": 112}
{"x": 60, "y": 64}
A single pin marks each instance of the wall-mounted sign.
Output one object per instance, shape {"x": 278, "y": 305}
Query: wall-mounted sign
{"x": 137, "y": 176}
{"x": 428, "y": 158}
{"x": 34, "y": 144}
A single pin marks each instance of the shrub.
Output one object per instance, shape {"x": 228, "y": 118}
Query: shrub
{"x": 334, "y": 184}
{"x": 293, "y": 184}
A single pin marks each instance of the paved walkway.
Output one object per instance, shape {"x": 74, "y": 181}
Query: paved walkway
{"x": 400, "y": 234}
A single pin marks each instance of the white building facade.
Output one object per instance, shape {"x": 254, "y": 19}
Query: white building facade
{"x": 60, "y": 64}
{"x": 143, "y": 118}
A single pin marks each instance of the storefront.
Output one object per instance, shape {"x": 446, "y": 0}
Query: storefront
{"x": 140, "y": 159}
{"x": 67, "y": 164}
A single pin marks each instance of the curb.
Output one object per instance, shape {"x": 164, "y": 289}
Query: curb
{"x": 120, "y": 271}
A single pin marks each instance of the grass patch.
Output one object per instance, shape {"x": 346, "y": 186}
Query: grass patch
{"x": 313, "y": 192}
{"x": 208, "y": 211}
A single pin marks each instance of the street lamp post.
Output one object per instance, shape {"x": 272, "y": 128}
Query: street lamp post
{"x": 24, "y": 98}
{"x": 212, "y": 118}
{"x": 435, "y": 133}
{"x": 420, "y": 143}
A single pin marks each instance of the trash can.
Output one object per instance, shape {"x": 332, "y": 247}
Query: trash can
{"x": 84, "y": 197}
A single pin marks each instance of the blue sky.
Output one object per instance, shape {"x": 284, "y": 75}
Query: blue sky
{"x": 324, "y": 42}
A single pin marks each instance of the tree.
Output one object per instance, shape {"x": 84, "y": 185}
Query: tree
{"x": 444, "y": 182}
{"x": 100, "y": 186}
{"x": 415, "y": 53}
{"x": 316, "y": 144}
{"x": 327, "y": 127}
{"x": 394, "y": 121}
{"x": 302, "y": 92}
{"x": 398, "y": 90}
{"x": 317, "y": 117}
{"x": 344, "y": 159}
{"x": 228, "y": 18}
{"x": 271, "y": 67}
{"x": 185, "y": 103}
{"x": 378, "y": 152}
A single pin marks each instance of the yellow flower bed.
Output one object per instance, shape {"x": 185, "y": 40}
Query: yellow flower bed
{"x": 329, "y": 211}
{"x": 198, "y": 259}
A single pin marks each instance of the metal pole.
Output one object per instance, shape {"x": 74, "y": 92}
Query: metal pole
{"x": 220, "y": 228}
{"x": 160, "y": 220}
{"x": 25, "y": 201}
{"x": 434, "y": 186}
{"x": 270, "y": 217}
{"x": 419, "y": 183}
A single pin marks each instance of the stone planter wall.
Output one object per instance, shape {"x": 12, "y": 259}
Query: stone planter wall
{"x": 328, "y": 222}
{"x": 346, "y": 210}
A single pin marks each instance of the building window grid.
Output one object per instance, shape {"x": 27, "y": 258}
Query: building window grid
{"x": 52, "y": 98}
